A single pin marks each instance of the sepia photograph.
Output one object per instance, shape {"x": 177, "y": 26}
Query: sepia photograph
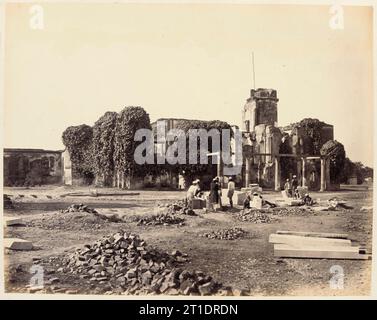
{"x": 182, "y": 149}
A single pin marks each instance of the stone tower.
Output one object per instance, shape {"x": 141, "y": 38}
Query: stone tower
{"x": 260, "y": 108}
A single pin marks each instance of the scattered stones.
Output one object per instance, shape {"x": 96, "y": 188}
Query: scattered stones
{"x": 73, "y": 221}
{"x": 178, "y": 207}
{"x": 292, "y": 211}
{"x": 226, "y": 234}
{"x": 79, "y": 208}
{"x": 255, "y": 216}
{"x": 124, "y": 263}
{"x": 161, "y": 219}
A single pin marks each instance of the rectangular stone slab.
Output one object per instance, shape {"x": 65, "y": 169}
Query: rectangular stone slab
{"x": 239, "y": 198}
{"x": 314, "y": 234}
{"x": 17, "y": 244}
{"x": 198, "y": 204}
{"x": 302, "y": 240}
{"x": 325, "y": 252}
{"x": 12, "y": 221}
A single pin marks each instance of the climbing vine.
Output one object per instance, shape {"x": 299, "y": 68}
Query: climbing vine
{"x": 79, "y": 142}
{"x": 103, "y": 146}
{"x": 312, "y": 134}
{"x": 128, "y": 121}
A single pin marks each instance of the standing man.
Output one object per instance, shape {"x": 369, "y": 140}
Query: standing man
{"x": 288, "y": 188}
{"x": 294, "y": 185}
{"x": 231, "y": 188}
{"x": 214, "y": 194}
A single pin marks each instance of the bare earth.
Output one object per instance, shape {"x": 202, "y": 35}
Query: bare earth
{"x": 246, "y": 263}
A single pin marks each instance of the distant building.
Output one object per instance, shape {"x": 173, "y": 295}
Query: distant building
{"x": 268, "y": 147}
{"x": 30, "y": 167}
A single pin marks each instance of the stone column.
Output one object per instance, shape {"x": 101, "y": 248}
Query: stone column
{"x": 247, "y": 171}
{"x": 304, "y": 172}
{"x": 323, "y": 173}
{"x": 277, "y": 174}
{"x": 299, "y": 170}
{"x": 327, "y": 182}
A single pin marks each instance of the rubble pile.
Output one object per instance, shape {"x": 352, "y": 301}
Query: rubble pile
{"x": 335, "y": 204}
{"x": 123, "y": 262}
{"x": 7, "y": 202}
{"x": 292, "y": 211}
{"x": 255, "y": 216}
{"x": 73, "y": 221}
{"x": 178, "y": 207}
{"x": 161, "y": 219}
{"x": 83, "y": 208}
{"x": 79, "y": 208}
{"x": 226, "y": 234}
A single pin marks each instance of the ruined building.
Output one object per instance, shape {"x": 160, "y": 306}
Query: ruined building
{"x": 273, "y": 154}
{"x": 30, "y": 167}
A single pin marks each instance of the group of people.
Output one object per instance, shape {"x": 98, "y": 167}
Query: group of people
{"x": 215, "y": 193}
{"x": 194, "y": 192}
{"x": 291, "y": 190}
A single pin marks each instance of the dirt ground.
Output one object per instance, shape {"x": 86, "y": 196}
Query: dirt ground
{"x": 246, "y": 263}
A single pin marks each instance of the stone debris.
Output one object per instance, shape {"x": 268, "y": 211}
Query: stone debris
{"x": 72, "y": 221}
{"x": 255, "y": 216}
{"x": 178, "y": 207}
{"x": 293, "y": 211}
{"x": 79, "y": 208}
{"x": 161, "y": 219}
{"x": 269, "y": 215}
{"x": 124, "y": 263}
{"x": 335, "y": 203}
{"x": 226, "y": 234}
{"x": 83, "y": 208}
{"x": 366, "y": 208}
{"x": 7, "y": 202}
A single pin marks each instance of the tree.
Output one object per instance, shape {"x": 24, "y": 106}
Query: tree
{"x": 313, "y": 140}
{"x": 128, "y": 121}
{"x": 78, "y": 140}
{"x": 103, "y": 147}
{"x": 334, "y": 151}
{"x": 362, "y": 172}
{"x": 348, "y": 171}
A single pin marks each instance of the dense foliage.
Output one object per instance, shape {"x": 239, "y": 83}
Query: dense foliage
{"x": 312, "y": 131}
{"x": 108, "y": 147}
{"x": 103, "y": 146}
{"x": 79, "y": 142}
{"x": 355, "y": 169}
{"x": 128, "y": 121}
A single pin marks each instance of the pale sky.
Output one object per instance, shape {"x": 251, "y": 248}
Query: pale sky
{"x": 185, "y": 61}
